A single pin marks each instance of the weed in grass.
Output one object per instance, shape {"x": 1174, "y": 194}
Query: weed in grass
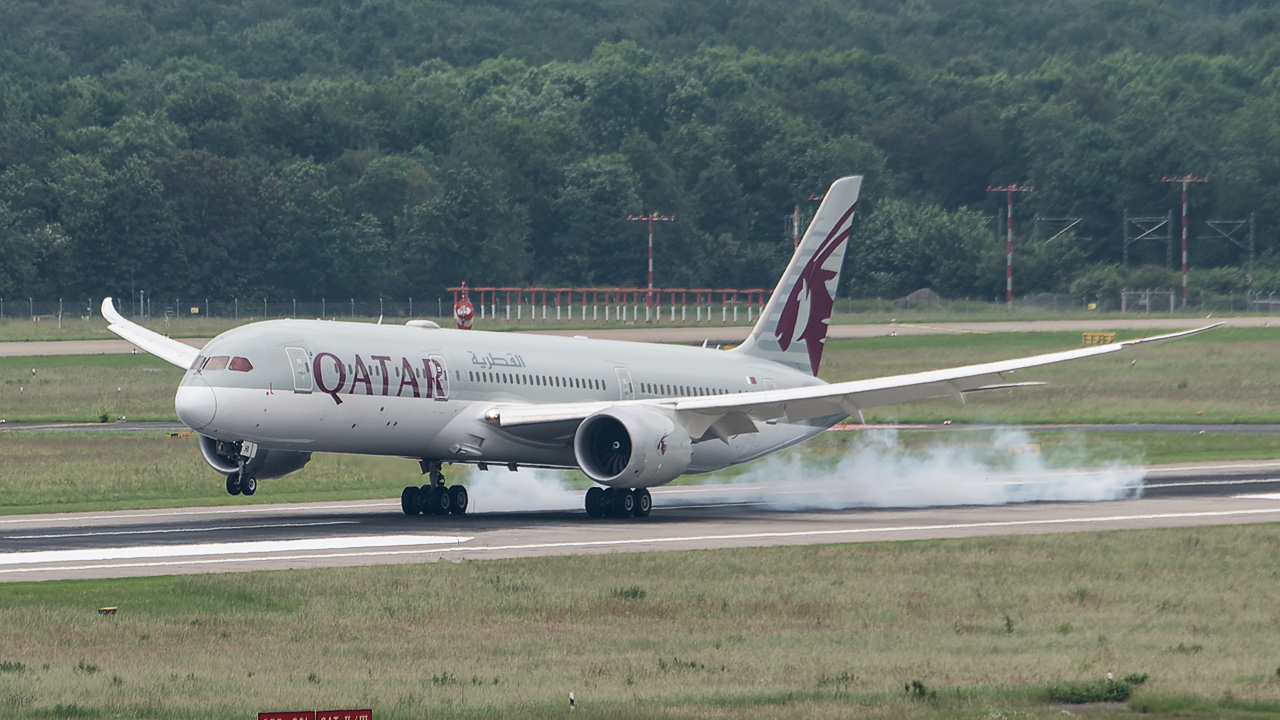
{"x": 1184, "y": 649}
{"x": 314, "y": 679}
{"x": 1135, "y": 679}
{"x": 11, "y": 666}
{"x": 445, "y": 678}
{"x": 87, "y": 668}
{"x": 635, "y": 592}
{"x": 838, "y": 682}
{"x": 1065, "y": 628}
{"x": 917, "y": 690}
{"x": 1008, "y": 624}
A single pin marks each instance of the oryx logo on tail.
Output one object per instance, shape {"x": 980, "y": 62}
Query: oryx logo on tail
{"x": 793, "y": 325}
{"x": 814, "y": 291}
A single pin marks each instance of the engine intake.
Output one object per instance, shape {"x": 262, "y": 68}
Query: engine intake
{"x": 224, "y": 457}
{"x": 632, "y": 447}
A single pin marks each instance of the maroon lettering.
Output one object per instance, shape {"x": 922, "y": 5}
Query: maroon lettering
{"x": 386, "y": 379}
{"x": 361, "y": 375}
{"x": 407, "y": 377}
{"x": 318, "y": 372}
{"x": 433, "y": 372}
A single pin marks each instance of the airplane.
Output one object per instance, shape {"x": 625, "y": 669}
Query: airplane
{"x": 261, "y": 398}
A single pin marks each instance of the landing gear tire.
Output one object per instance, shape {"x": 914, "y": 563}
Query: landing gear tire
{"x": 233, "y": 483}
{"x": 411, "y": 501}
{"x": 441, "y": 501}
{"x": 248, "y": 485}
{"x": 458, "y": 496}
{"x": 624, "y": 503}
{"x": 595, "y": 502}
{"x": 643, "y": 502}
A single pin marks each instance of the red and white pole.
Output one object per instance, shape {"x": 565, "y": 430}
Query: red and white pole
{"x": 1009, "y": 190}
{"x": 1184, "y": 180}
{"x": 648, "y": 298}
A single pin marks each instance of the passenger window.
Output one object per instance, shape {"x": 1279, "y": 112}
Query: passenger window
{"x": 240, "y": 364}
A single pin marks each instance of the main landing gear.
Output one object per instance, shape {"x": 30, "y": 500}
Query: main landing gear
{"x": 618, "y": 502}
{"x": 435, "y": 498}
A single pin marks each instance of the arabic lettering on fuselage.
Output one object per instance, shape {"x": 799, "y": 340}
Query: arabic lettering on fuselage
{"x": 485, "y": 362}
{"x": 330, "y": 372}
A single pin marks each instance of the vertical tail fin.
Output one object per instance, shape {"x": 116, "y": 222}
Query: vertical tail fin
{"x": 793, "y": 327}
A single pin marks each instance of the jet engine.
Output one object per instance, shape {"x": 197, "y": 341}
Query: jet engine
{"x": 632, "y": 447}
{"x": 225, "y": 458}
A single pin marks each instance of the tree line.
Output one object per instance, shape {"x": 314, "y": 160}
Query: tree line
{"x": 335, "y": 148}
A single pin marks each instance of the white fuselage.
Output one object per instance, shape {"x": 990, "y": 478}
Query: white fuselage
{"x": 321, "y": 386}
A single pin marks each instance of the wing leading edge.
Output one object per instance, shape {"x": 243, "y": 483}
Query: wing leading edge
{"x": 167, "y": 349}
{"x": 722, "y": 416}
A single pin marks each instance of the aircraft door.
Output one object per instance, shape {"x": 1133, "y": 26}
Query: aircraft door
{"x": 300, "y": 367}
{"x": 625, "y": 390}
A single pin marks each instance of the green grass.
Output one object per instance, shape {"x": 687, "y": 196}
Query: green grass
{"x": 972, "y": 628}
{"x": 87, "y": 388}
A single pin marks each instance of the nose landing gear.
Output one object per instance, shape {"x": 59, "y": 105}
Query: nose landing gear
{"x": 240, "y": 483}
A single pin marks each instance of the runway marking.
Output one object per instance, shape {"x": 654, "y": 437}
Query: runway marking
{"x": 1260, "y": 496}
{"x": 939, "y": 328}
{"x": 1210, "y": 483}
{"x": 56, "y": 536}
{"x": 246, "y": 509}
{"x": 239, "y": 548}
{"x": 479, "y": 549}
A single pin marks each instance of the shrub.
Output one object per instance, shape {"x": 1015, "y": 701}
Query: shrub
{"x": 1089, "y": 692}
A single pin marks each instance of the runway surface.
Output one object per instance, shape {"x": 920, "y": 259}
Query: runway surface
{"x": 262, "y": 537}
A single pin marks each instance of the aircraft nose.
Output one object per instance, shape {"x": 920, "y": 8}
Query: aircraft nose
{"x": 196, "y": 404}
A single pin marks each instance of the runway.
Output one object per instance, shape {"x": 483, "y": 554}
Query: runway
{"x": 316, "y": 535}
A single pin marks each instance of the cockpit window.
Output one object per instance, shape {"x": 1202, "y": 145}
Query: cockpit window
{"x": 239, "y": 364}
{"x": 217, "y": 362}
{"x": 199, "y": 363}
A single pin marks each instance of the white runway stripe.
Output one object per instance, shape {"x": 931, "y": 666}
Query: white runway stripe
{"x": 240, "y": 548}
{"x": 167, "y": 531}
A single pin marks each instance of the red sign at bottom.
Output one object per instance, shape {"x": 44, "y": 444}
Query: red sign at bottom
{"x": 318, "y": 715}
{"x": 307, "y": 715}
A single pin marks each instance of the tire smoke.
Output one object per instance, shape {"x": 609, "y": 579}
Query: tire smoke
{"x": 880, "y": 472}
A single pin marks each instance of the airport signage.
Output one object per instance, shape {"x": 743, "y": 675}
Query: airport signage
{"x": 318, "y": 715}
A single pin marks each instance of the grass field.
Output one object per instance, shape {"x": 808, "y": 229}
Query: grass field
{"x": 977, "y": 628}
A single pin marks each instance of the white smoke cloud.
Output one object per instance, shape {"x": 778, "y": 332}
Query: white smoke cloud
{"x": 528, "y": 489}
{"x": 876, "y": 471}
{"x": 880, "y": 472}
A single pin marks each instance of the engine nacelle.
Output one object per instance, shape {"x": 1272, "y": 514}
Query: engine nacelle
{"x": 632, "y": 447}
{"x": 225, "y": 458}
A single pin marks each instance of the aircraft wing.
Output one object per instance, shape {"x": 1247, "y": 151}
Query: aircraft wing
{"x": 721, "y": 416}
{"x": 167, "y": 349}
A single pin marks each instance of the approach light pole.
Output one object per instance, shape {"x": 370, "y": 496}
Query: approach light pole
{"x": 1185, "y": 180}
{"x": 651, "y": 218}
{"x": 1009, "y": 190}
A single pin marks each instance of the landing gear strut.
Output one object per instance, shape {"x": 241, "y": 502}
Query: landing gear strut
{"x": 618, "y": 502}
{"x": 434, "y": 498}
